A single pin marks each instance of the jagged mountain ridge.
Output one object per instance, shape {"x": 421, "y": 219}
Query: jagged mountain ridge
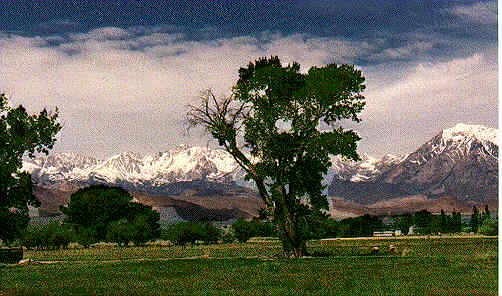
{"x": 164, "y": 173}
{"x": 461, "y": 161}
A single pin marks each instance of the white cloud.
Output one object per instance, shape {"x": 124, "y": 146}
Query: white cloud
{"x": 122, "y": 90}
{"x": 101, "y": 34}
{"x": 467, "y": 78}
{"x": 415, "y": 48}
{"x": 483, "y": 12}
{"x": 123, "y": 71}
{"x": 406, "y": 108}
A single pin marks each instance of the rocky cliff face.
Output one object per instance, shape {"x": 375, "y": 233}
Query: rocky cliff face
{"x": 461, "y": 161}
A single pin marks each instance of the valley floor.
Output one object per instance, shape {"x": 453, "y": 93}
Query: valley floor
{"x": 428, "y": 266}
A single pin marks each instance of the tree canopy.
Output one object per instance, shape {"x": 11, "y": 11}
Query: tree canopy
{"x": 92, "y": 209}
{"x": 281, "y": 126}
{"x": 20, "y": 134}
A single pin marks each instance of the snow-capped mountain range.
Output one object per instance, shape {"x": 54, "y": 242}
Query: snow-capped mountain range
{"x": 133, "y": 171}
{"x": 462, "y": 161}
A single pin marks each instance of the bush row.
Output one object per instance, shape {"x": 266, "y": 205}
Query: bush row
{"x": 11, "y": 255}
{"x": 190, "y": 232}
{"x": 243, "y": 230}
{"x": 49, "y": 236}
{"x": 56, "y": 235}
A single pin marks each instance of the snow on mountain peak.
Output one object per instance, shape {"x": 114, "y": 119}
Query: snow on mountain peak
{"x": 460, "y": 131}
{"x": 182, "y": 163}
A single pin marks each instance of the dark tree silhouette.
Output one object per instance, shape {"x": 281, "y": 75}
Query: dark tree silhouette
{"x": 475, "y": 219}
{"x": 20, "y": 134}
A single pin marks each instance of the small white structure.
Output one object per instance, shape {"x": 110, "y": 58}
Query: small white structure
{"x": 383, "y": 233}
{"x": 387, "y": 233}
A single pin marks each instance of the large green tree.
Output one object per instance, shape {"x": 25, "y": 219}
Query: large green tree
{"x": 20, "y": 134}
{"x": 92, "y": 209}
{"x": 281, "y": 126}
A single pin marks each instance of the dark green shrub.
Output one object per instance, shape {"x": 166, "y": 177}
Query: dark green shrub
{"x": 190, "y": 232}
{"x": 185, "y": 232}
{"x": 243, "y": 230}
{"x": 86, "y": 236}
{"x": 263, "y": 228}
{"x": 49, "y": 236}
{"x": 31, "y": 238}
{"x": 329, "y": 228}
{"x": 11, "y": 255}
{"x": 489, "y": 227}
{"x": 61, "y": 236}
{"x": 211, "y": 234}
{"x": 227, "y": 237}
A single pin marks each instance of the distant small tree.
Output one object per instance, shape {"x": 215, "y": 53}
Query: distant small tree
{"x": 423, "y": 220}
{"x": 361, "y": 226}
{"x": 487, "y": 211}
{"x": 211, "y": 233}
{"x": 332, "y": 228}
{"x": 489, "y": 227}
{"x": 325, "y": 227}
{"x": 444, "y": 222}
{"x": 243, "y": 230}
{"x": 457, "y": 222}
{"x": 404, "y": 222}
{"x": 486, "y": 214}
{"x": 475, "y": 220}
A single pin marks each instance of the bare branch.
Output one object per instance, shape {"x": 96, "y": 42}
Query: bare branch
{"x": 223, "y": 121}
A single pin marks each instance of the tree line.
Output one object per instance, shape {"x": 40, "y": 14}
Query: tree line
{"x": 60, "y": 235}
{"x": 425, "y": 222}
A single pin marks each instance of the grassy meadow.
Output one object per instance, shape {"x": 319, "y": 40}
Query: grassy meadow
{"x": 413, "y": 266}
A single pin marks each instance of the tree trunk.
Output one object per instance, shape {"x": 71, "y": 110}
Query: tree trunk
{"x": 293, "y": 241}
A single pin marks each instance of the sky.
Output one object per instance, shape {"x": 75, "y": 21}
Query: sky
{"x": 122, "y": 72}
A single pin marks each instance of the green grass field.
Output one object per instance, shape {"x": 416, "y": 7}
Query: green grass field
{"x": 417, "y": 266}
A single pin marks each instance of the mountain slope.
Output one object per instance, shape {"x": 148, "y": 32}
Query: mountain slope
{"x": 461, "y": 161}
